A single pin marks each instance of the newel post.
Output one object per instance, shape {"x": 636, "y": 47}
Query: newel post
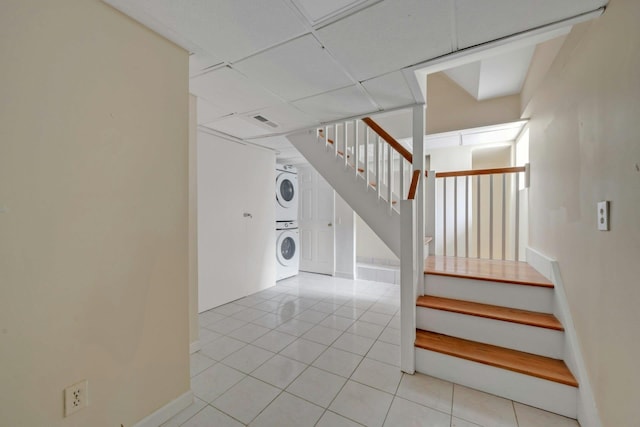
{"x": 418, "y": 164}
{"x": 408, "y": 285}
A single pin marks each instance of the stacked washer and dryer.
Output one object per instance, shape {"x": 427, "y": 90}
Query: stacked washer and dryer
{"x": 287, "y": 237}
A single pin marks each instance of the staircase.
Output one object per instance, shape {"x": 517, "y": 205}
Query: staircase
{"x": 488, "y": 325}
{"x": 485, "y": 324}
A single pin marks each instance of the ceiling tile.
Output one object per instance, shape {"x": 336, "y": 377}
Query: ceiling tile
{"x": 200, "y": 61}
{"x": 297, "y": 69}
{"x": 229, "y": 90}
{"x": 207, "y": 112}
{"x": 482, "y": 21}
{"x": 334, "y": 105}
{"x": 287, "y": 117}
{"x": 233, "y": 29}
{"x": 390, "y": 35}
{"x": 238, "y": 126}
{"x": 316, "y": 11}
{"x": 390, "y": 90}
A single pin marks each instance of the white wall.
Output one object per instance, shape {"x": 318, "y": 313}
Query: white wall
{"x": 94, "y": 229}
{"x": 345, "y": 239}
{"x": 236, "y": 253}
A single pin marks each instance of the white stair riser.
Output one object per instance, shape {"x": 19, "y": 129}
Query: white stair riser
{"x": 530, "y": 339}
{"x": 532, "y": 298}
{"x": 548, "y": 395}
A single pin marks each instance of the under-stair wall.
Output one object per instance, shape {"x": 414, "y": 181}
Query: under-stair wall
{"x": 352, "y": 187}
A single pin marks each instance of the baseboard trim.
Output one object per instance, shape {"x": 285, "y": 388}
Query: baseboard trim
{"x": 167, "y": 411}
{"x": 588, "y": 415}
{"x": 344, "y": 275}
{"x": 195, "y": 346}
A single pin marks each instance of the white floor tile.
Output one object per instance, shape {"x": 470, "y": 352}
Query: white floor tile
{"x": 209, "y": 417}
{"x": 248, "y": 314}
{"x": 363, "y": 404}
{"x": 378, "y": 375}
{"x": 377, "y": 318}
{"x": 248, "y": 332}
{"x": 384, "y": 308}
{"x": 458, "y": 422}
{"x": 295, "y": 327}
{"x": 268, "y": 306}
{"x": 322, "y": 335}
{"x": 482, "y": 408}
{"x": 226, "y": 325}
{"x": 337, "y": 322}
{"x": 353, "y": 343}
{"x": 270, "y": 320}
{"x": 248, "y": 358}
{"x": 209, "y": 317}
{"x": 312, "y": 316}
{"x": 205, "y": 336}
{"x": 364, "y": 329}
{"x": 317, "y": 386}
{"x": 427, "y": 391}
{"x": 274, "y": 341}
{"x": 303, "y": 350}
{"x": 221, "y": 348}
{"x": 250, "y": 301}
{"x": 199, "y": 362}
{"x": 533, "y": 417}
{"x": 245, "y": 400}
{"x": 337, "y": 361}
{"x": 350, "y": 312}
{"x": 188, "y": 412}
{"x": 326, "y": 307}
{"x": 228, "y": 309}
{"x": 288, "y": 410}
{"x": 390, "y": 335}
{"x": 279, "y": 371}
{"x": 405, "y": 413}
{"x": 331, "y": 419}
{"x": 385, "y": 352}
{"x": 212, "y": 382}
{"x": 395, "y": 322}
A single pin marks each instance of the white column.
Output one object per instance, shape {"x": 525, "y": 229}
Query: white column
{"x": 418, "y": 164}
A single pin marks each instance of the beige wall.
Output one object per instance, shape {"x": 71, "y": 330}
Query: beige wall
{"x": 93, "y": 234}
{"x": 449, "y": 107}
{"x": 585, "y": 147}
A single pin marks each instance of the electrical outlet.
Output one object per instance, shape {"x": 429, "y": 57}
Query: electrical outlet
{"x": 76, "y": 397}
{"x": 603, "y": 216}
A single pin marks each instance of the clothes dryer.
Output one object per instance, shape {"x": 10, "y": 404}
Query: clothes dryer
{"x": 286, "y": 193}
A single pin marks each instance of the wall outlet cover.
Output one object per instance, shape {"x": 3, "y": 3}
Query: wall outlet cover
{"x": 603, "y": 216}
{"x": 76, "y": 397}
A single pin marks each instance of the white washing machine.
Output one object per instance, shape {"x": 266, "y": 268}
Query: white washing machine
{"x": 287, "y": 249}
{"x": 286, "y": 193}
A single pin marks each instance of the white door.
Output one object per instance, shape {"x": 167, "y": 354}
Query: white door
{"x": 315, "y": 221}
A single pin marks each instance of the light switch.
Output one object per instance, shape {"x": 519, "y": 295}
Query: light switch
{"x": 603, "y": 216}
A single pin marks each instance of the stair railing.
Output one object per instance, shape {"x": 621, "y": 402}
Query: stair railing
{"x": 386, "y": 168}
{"x": 479, "y": 213}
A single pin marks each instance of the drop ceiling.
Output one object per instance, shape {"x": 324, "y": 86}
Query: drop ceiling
{"x": 299, "y": 63}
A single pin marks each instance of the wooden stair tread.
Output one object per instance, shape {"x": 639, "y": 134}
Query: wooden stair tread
{"x": 513, "y": 360}
{"x": 515, "y": 272}
{"x": 514, "y": 315}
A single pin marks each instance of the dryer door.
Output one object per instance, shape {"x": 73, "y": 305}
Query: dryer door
{"x": 286, "y": 191}
{"x": 287, "y": 248}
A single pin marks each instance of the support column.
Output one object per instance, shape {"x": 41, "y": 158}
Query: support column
{"x": 418, "y": 164}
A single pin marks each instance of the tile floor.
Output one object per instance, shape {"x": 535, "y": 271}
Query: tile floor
{"x": 322, "y": 351}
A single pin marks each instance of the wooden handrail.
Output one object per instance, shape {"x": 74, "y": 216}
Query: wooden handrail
{"x": 389, "y": 139}
{"x": 515, "y": 169}
{"x": 415, "y": 178}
